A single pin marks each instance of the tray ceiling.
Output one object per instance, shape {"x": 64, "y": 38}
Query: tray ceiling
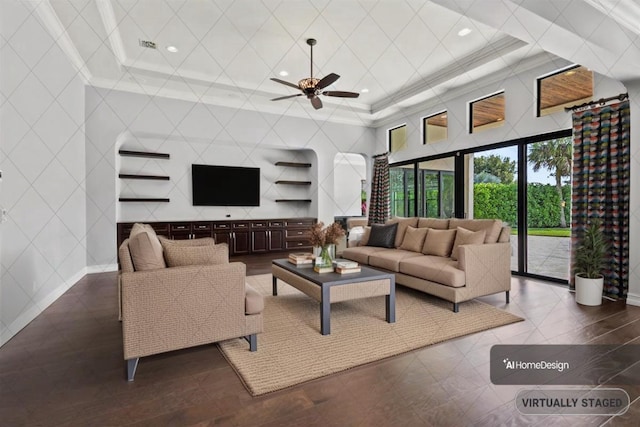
{"x": 398, "y": 54}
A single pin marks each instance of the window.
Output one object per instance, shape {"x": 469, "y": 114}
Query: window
{"x": 486, "y": 113}
{"x": 563, "y": 88}
{"x": 398, "y": 138}
{"x": 434, "y": 127}
{"x": 402, "y": 190}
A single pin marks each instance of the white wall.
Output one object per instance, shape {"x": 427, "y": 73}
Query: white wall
{"x": 349, "y": 171}
{"x": 191, "y": 131}
{"x": 43, "y": 170}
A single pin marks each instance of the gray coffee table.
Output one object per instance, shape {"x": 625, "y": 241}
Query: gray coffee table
{"x": 334, "y": 287}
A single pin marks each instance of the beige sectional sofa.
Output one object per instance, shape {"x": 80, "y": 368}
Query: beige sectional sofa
{"x": 454, "y": 259}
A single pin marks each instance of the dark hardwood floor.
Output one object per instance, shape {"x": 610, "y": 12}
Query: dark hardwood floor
{"x": 66, "y": 368}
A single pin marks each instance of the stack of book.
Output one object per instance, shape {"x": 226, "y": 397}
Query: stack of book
{"x": 301, "y": 258}
{"x": 345, "y": 267}
{"x": 322, "y": 269}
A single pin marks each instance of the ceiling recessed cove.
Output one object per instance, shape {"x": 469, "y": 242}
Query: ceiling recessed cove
{"x": 147, "y": 44}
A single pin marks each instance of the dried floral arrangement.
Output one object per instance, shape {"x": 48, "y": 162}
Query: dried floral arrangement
{"x": 329, "y": 235}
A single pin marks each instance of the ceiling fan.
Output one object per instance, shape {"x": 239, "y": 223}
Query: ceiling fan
{"x": 312, "y": 87}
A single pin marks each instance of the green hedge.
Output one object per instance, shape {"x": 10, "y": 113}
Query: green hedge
{"x": 493, "y": 200}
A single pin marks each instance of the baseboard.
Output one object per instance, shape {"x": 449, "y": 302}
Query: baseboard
{"x": 91, "y": 269}
{"x": 28, "y": 316}
{"x": 633, "y": 299}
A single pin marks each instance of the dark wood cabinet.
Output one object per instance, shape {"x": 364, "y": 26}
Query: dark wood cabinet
{"x": 243, "y": 237}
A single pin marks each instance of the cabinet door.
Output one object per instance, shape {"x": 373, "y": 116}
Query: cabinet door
{"x": 223, "y": 237}
{"x": 259, "y": 241}
{"x": 240, "y": 242}
{"x": 276, "y": 240}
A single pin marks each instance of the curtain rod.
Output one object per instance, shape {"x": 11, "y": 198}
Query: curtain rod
{"x": 621, "y": 97}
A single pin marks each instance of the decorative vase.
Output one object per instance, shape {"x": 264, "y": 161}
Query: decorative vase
{"x": 589, "y": 291}
{"x": 325, "y": 255}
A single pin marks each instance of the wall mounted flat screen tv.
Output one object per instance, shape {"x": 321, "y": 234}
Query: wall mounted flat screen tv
{"x": 225, "y": 185}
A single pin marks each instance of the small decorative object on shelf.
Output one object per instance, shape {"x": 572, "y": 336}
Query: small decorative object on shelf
{"x": 324, "y": 242}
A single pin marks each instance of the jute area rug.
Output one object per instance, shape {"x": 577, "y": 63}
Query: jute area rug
{"x": 291, "y": 349}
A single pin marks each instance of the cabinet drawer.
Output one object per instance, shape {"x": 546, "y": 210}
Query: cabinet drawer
{"x": 276, "y": 224}
{"x": 201, "y": 226}
{"x": 240, "y": 225}
{"x": 300, "y": 223}
{"x": 181, "y": 226}
{"x": 301, "y": 234}
{"x": 293, "y": 244}
{"x": 222, "y": 226}
{"x": 259, "y": 224}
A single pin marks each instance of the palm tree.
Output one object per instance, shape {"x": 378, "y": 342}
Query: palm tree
{"x": 554, "y": 155}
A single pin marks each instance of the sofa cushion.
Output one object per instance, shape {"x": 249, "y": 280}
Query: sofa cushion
{"x": 435, "y": 269}
{"x": 403, "y": 223}
{"x": 383, "y": 236}
{"x": 438, "y": 223}
{"x": 145, "y": 248}
{"x": 360, "y": 253}
{"x": 177, "y": 255}
{"x": 492, "y": 227}
{"x": 466, "y": 237}
{"x": 438, "y": 242}
{"x": 389, "y": 259}
{"x": 253, "y": 300}
{"x": 413, "y": 239}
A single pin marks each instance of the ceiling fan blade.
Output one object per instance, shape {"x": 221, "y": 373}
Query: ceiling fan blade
{"x": 317, "y": 104}
{"x": 287, "y": 97}
{"x": 285, "y": 83}
{"x": 341, "y": 94}
{"x": 327, "y": 80}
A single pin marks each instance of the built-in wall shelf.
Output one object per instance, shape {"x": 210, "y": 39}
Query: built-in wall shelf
{"x": 293, "y": 200}
{"x": 137, "y": 176}
{"x": 141, "y": 199}
{"x": 294, "y": 182}
{"x": 147, "y": 154}
{"x": 294, "y": 164}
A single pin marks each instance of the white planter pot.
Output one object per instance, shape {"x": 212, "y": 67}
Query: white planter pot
{"x": 589, "y": 291}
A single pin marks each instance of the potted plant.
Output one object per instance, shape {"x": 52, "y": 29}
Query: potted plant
{"x": 591, "y": 256}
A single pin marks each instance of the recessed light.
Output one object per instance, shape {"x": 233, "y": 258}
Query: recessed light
{"x": 570, "y": 73}
{"x": 463, "y": 32}
{"x": 172, "y": 49}
{"x": 444, "y": 116}
{"x": 499, "y": 119}
{"x": 365, "y": 90}
{"x": 283, "y": 73}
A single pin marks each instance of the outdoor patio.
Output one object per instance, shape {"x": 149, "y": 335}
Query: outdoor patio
{"x": 548, "y": 256}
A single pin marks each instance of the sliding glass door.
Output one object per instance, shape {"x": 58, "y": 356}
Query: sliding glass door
{"x": 548, "y": 231}
{"x": 524, "y": 182}
{"x": 495, "y": 190}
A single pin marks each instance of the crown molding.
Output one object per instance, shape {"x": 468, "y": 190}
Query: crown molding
{"x": 108, "y": 16}
{"x": 491, "y": 52}
{"x": 49, "y": 18}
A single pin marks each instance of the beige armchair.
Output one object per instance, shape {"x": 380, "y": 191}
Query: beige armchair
{"x": 171, "y": 308}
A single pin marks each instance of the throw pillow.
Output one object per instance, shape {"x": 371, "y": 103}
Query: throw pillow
{"x": 383, "y": 236}
{"x": 438, "y": 242}
{"x": 203, "y": 241}
{"x": 413, "y": 239}
{"x": 365, "y": 236}
{"x": 177, "y": 255}
{"x": 467, "y": 237}
{"x": 145, "y": 248}
{"x": 403, "y": 223}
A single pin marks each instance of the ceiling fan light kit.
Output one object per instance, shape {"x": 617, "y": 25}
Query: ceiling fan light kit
{"x": 311, "y": 87}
